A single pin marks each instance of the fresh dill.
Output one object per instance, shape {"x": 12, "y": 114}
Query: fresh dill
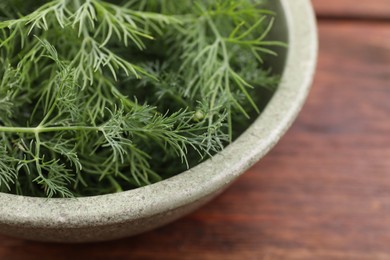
{"x": 101, "y": 96}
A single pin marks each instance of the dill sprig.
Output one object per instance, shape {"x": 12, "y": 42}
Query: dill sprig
{"x": 103, "y": 96}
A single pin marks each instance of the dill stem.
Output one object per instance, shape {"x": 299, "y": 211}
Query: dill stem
{"x": 37, "y": 154}
{"x": 226, "y": 60}
{"x": 40, "y": 129}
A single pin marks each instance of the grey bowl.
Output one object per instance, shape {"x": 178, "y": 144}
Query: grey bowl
{"x": 128, "y": 213}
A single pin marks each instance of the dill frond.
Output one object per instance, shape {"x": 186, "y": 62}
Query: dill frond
{"x": 101, "y": 96}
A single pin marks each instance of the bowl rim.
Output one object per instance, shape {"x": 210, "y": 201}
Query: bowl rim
{"x": 208, "y": 177}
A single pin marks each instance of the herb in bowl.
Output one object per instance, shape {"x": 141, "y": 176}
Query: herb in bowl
{"x": 104, "y": 96}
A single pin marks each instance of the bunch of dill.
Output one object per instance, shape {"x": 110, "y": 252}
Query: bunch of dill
{"x": 100, "y": 96}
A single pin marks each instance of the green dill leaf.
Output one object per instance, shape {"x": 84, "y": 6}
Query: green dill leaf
{"x": 102, "y": 96}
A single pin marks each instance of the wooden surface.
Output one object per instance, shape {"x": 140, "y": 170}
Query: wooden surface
{"x": 358, "y": 9}
{"x": 322, "y": 193}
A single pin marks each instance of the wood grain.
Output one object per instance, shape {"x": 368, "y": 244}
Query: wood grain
{"x": 322, "y": 193}
{"x": 360, "y": 9}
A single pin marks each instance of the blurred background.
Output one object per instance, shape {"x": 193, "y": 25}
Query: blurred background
{"x": 322, "y": 193}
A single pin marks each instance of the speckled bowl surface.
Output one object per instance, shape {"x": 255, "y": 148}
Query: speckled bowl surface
{"x": 128, "y": 213}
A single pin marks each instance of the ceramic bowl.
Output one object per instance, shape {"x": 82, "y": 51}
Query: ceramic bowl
{"x": 132, "y": 212}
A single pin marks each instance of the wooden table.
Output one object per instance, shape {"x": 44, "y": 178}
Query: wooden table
{"x": 322, "y": 193}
